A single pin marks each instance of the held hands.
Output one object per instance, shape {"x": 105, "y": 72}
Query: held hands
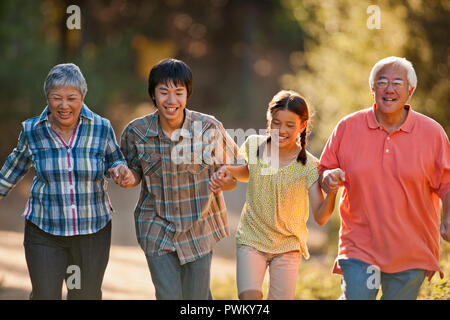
{"x": 332, "y": 180}
{"x": 219, "y": 179}
{"x": 123, "y": 176}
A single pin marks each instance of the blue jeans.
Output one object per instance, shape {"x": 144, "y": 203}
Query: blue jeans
{"x": 173, "y": 281}
{"x": 361, "y": 281}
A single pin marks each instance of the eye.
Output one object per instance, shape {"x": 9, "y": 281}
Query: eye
{"x": 381, "y": 83}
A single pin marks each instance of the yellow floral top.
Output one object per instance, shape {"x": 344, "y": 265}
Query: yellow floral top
{"x": 276, "y": 209}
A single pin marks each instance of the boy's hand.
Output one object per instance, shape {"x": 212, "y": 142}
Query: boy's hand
{"x": 122, "y": 175}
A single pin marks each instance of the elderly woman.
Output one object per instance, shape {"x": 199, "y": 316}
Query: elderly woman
{"x": 68, "y": 215}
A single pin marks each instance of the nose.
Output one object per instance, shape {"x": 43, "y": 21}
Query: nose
{"x": 283, "y": 129}
{"x": 390, "y": 87}
{"x": 171, "y": 98}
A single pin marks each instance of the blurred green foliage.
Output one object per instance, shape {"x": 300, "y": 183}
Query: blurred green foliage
{"x": 241, "y": 54}
{"x": 340, "y": 50}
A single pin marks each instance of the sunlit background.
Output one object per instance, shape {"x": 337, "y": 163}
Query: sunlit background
{"x": 241, "y": 53}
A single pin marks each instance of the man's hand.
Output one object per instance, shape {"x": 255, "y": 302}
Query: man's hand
{"x": 332, "y": 179}
{"x": 123, "y": 176}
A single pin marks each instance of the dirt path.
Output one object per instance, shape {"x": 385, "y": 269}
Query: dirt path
{"x": 127, "y": 275}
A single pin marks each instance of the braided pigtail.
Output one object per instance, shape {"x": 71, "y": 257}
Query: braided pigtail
{"x": 302, "y": 154}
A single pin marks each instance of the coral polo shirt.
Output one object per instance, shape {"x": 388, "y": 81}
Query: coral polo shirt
{"x": 390, "y": 211}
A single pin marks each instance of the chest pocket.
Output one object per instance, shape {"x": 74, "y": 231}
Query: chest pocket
{"x": 150, "y": 163}
{"x": 41, "y": 158}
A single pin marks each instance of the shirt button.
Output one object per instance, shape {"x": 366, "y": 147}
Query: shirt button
{"x": 387, "y": 150}
{"x": 389, "y": 138}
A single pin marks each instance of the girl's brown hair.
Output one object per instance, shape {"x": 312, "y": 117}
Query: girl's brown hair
{"x": 294, "y": 102}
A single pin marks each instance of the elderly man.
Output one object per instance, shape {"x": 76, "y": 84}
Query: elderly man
{"x": 394, "y": 165}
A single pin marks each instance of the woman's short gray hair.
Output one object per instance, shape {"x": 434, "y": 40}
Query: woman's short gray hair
{"x": 65, "y": 75}
{"x": 411, "y": 73}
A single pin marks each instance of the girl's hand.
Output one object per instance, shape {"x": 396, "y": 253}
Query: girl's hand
{"x": 217, "y": 180}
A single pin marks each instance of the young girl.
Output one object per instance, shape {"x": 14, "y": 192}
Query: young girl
{"x": 272, "y": 230}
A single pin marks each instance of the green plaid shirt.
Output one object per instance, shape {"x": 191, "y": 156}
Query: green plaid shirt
{"x": 176, "y": 211}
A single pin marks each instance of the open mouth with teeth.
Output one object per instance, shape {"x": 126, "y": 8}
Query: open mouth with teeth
{"x": 171, "y": 110}
{"x": 389, "y": 99}
{"x": 64, "y": 115}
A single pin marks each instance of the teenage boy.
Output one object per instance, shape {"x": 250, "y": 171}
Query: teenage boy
{"x": 178, "y": 219}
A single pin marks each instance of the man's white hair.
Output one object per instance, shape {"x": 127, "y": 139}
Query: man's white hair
{"x": 411, "y": 73}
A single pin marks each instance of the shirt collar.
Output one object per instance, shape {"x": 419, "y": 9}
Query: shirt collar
{"x": 184, "y": 131}
{"x": 407, "y": 126}
{"x": 85, "y": 113}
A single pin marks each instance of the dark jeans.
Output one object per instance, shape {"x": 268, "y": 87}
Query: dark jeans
{"x": 81, "y": 260}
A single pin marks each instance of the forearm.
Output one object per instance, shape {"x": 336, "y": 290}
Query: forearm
{"x": 323, "y": 213}
{"x": 229, "y": 185}
{"x": 240, "y": 173}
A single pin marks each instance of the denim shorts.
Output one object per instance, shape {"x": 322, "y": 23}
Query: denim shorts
{"x": 362, "y": 281}
{"x": 283, "y": 269}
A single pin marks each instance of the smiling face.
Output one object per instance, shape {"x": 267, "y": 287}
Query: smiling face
{"x": 290, "y": 125}
{"x": 64, "y": 104}
{"x": 391, "y": 90}
{"x": 171, "y": 101}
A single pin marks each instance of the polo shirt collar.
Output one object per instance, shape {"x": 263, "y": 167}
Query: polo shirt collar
{"x": 407, "y": 126}
{"x": 184, "y": 131}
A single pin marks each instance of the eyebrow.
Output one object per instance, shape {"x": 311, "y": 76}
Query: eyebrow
{"x": 176, "y": 89}
{"x": 289, "y": 122}
{"x": 384, "y": 77}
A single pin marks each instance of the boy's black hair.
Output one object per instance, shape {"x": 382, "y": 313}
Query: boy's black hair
{"x": 169, "y": 70}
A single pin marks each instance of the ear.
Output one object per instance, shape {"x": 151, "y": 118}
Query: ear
{"x": 303, "y": 126}
{"x": 411, "y": 90}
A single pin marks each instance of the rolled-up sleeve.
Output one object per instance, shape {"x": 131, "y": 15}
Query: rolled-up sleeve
{"x": 113, "y": 155}
{"x": 16, "y": 165}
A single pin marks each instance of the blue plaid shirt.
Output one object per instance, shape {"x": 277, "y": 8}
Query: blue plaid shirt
{"x": 68, "y": 195}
